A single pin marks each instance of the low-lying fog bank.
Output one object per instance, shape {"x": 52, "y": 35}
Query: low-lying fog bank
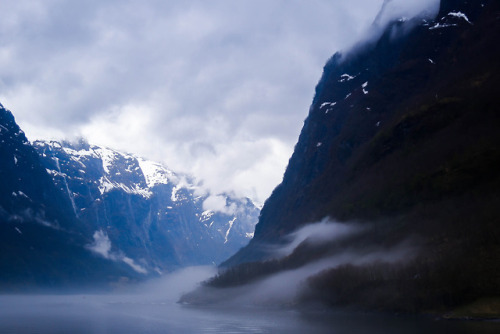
{"x": 152, "y": 308}
{"x": 282, "y": 281}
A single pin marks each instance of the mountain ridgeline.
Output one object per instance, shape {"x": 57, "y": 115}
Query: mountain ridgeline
{"x": 40, "y": 243}
{"x": 402, "y": 138}
{"x": 78, "y": 215}
{"x": 146, "y": 211}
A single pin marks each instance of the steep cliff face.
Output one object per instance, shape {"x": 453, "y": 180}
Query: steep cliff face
{"x": 27, "y": 190}
{"x": 148, "y": 213}
{"x": 75, "y": 215}
{"x": 402, "y": 137}
{"x": 40, "y": 242}
{"x": 388, "y": 118}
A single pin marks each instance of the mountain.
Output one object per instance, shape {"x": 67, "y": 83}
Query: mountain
{"x": 75, "y": 215}
{"x": 401, "y": 143}
{"x": 40, "y": 243}
{"x": 148, "y": 215}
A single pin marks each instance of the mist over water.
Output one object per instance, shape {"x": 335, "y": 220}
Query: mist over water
{"x": 285, "y": 287}
{"x": 152, "y": 308}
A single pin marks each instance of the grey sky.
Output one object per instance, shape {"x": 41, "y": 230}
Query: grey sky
{"x": 215, "y": 88}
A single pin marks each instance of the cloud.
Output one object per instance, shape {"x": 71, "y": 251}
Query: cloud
{"x": 140, "y": 269}
{"x": 203, "y": 86}
{"x": 396, "y": 10}
{"x": 317, "y": 234}
{"x": 271, "y": 290}
{"x": 102, "y": 246}
{"x": 218, "y": 203}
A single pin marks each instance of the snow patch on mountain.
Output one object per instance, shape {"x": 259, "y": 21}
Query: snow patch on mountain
{"x": 364, "y": 87}
{"x": 460, "y": 15}
{"x": 450, "y": 20}
{"x": 231, "y": 222}
{"x": 107, "y": 157}
{"x": 105, "y": 185}
{"x": 76, "y": 154}
{"x": 206, "y": 215}
{"x": 346, "y": 77}
{"x": 440, "y": 26}
{"x": 155, "y": 173}
{"x": 327, "y": 104}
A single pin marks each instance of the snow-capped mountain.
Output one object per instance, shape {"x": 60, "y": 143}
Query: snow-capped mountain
{"x": 141, "y": 213}
{"x": 41, "y": 242}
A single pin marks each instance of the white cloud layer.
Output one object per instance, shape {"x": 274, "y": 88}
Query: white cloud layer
{"x": 318, "y": 233}
{"x": 215, "y": 88}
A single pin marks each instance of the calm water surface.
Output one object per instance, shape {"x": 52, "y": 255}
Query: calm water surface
{"x": 128, "y": 314}
{"x": 153, "y": 309}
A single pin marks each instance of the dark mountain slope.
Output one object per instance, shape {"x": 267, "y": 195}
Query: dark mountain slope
{"x": 430, "y": 101}
{"x": 39, "y": 240}
{"x": 402, "y": 136}
{"x": 76, "y": 215}
{"x": 27, "y": 189}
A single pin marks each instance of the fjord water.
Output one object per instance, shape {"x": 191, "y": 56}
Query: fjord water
{"x": 153, "y": 308}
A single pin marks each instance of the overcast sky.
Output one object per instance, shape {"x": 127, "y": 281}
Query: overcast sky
{"x": 215, "y": 88}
